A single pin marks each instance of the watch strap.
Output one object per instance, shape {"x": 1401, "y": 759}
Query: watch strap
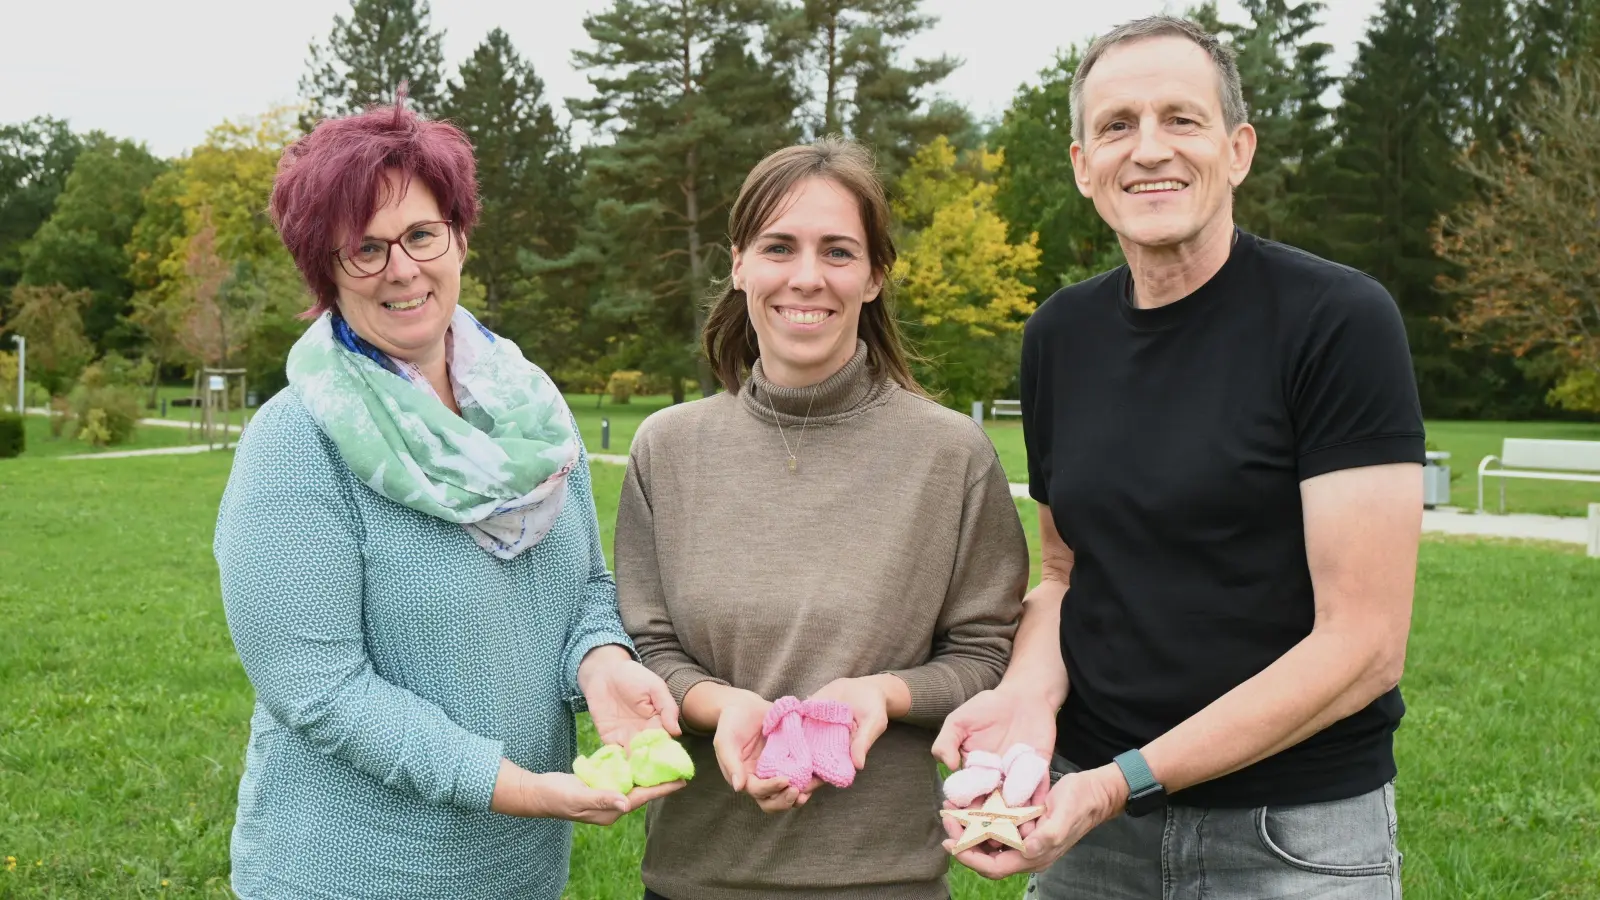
{"x": 1136, "y": 771}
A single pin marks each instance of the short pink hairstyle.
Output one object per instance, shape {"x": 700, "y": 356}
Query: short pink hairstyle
{"x": 329, "y": 183}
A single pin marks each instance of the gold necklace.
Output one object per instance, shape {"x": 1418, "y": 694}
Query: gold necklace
{"x": 800, "y": 445}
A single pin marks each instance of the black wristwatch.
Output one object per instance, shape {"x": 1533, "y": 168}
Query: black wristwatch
{"x": 1145, "y": 794}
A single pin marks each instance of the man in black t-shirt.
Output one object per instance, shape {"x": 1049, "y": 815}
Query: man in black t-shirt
{"x": 1225, "y": 442}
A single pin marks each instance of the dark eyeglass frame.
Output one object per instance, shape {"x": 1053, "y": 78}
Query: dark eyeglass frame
{"x": 348, "y": 264}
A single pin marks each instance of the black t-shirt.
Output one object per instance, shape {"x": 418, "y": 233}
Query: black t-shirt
{"x": 1170, "y": 444}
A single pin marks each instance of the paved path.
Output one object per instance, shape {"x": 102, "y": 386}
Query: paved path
{"x": 164, "y": 423}
{"x": 159, "y": 451}
{"x": 1450, "y": 520}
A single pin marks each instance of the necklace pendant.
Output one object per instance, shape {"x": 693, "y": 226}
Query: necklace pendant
{"x": 794, "y": 465}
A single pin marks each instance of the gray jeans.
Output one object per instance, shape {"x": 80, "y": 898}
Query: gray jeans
{"x": 1343, "y": 850}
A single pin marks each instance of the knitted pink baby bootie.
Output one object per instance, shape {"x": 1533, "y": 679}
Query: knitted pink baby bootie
{"x": 827, "y": 726}
{"x": 786, "y": 755}
{"x": 976, "y": 780}
{"x": 1025, "y": 770}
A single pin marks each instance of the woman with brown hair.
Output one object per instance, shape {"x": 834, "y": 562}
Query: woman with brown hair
{"x": 819, "y": 552}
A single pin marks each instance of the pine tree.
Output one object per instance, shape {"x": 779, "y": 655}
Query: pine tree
{"x": 689, "y": 107}
{"x": 527, "y": 174}
{"x": 1283, "y": 77}
{"x": 847, "y": 53}
{"x": 1480, "y": 59}
{"x": 1552, "y": 35}
{"x": 1390, "y": 177}
{"x": 383, "y": 43}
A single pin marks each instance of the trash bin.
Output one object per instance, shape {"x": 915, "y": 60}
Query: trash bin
{"x": 1436, "y": 479}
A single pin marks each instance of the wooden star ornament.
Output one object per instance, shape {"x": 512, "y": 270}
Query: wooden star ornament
{"x": 994, "y": 821}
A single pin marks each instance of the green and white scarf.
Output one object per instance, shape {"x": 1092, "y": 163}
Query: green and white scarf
{"x": 499, "y": 469}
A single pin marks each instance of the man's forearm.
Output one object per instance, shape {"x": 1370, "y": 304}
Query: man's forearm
{"x": 1036, "y": 665}
{"x": 1327, "y": 677}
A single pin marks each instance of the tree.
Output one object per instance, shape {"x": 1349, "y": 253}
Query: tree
{"x": 155, "y": 309}
{"x": 51, "y": 318}
{"x": 689, "y": 106}
{"x": 1035, "y": 190}
{"x": 1388, "y": 178}
{"x": 83, "y": 243}
{"x": 1480, "y": 56}
{"x": 215, "y": 283}
{"x": 527, "y": 176}
{"x": 1284, "y": 77}
{"x": 1529, "y": 250}
{"x": 1400, "y": 124}
{"x": 35, "y": 158}
{"x": 964, "y": 288}
{"x": 851, "y": 49}
{"x": 368, "y": 55}
{"x": 205, "y": 333}
{"x": 1551, "y": 35}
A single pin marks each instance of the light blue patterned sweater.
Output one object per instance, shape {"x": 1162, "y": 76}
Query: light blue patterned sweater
{"x": 394, "y": 664}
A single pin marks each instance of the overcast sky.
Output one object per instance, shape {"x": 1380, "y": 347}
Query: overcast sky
{"x": 164, "y": 71}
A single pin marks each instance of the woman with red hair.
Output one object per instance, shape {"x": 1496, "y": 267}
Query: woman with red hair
{"x": 410, "y": 560}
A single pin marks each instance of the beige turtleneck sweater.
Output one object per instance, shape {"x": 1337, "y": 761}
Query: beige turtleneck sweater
{"x": 895, "y": 548}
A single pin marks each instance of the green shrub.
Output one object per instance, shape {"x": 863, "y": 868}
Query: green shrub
{"x": 13, "y": 435}
{"x": 94, "y": 429}
{"x": 108, "y": 387}
{"x": 623, "y": 385}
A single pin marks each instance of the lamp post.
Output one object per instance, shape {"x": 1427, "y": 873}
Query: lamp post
{"x": 22, "y": 371}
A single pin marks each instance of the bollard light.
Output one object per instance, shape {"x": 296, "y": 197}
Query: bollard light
{"x": 605, "y": 434}
{"x": 22, "y": 373}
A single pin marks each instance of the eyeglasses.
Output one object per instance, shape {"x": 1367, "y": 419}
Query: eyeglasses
{"x": 422, "y": 242}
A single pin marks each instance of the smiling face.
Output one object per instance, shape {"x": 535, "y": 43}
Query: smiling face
{"x": 806, "y": 276}
{"x": 405, "y": 309}
{"x": 1156, "y": 157}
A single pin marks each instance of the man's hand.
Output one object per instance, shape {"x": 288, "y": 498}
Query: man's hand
{"x": 1077, "y": 804}
{"x": 994, "y": 720}
{"x": 624, "y": 697}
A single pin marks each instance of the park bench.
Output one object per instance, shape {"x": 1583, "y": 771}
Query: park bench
{"x": 1005, "y": 408}
{"x": 1547, "y": 460}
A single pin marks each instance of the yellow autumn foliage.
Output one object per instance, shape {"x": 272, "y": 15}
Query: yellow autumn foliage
{"x": 963, "y": 287}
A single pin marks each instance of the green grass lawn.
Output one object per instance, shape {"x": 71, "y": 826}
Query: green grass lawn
{"x": 123, "y": 710}
{"x": 1467, "y": 442}
{"x": 41, "y": 444}
{"x": 591, "y": 409}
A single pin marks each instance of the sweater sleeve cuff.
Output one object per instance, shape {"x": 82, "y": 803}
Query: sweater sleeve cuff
{"x": 679, "y": 683}
{"x": 478, "y": 773}
{"x": 933, "y": 695}
{"x": 683, "y": 679}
